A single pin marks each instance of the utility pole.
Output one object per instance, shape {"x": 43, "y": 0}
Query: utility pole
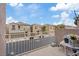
{"x": 2, "y": 29}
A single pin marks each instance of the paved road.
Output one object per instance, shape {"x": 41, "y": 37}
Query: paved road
{"x": 15, "y": 48}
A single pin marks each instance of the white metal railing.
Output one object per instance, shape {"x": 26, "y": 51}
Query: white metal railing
{"x": 24, "y": 42}
{"x": 16, "y": 45}
{"x": 19, "y": 47}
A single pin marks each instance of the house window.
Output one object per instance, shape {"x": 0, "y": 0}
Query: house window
{"x": 31, "y": 38}
{"x": 35, "y": 27}
{"x": 18, "y": 27}
{"x": 37, "y": 31}
{"x": 13, "y": 27}
{"x": 25, "y": 32}
{"x": 31, "y": 29}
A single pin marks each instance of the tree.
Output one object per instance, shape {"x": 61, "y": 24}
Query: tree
{"x": 76, "y": 19}
{"x": 43, "y": 28}
{"x": 61, "y": 26}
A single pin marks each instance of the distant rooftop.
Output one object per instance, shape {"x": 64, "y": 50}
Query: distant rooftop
{"x": 20, "y": 23}
{"x": 71, "y": 27}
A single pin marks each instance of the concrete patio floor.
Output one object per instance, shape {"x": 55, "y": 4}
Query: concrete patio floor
{"x": 47, "y": 51}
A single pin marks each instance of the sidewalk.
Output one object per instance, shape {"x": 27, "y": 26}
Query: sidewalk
{"x": 47, "y": 51}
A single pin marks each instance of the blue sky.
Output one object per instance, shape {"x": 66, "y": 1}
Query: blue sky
{"x": 41, "y": 13}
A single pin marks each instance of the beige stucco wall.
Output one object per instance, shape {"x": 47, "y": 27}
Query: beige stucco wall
{"x": 25, "y": 28}
{"x": 59, "y": 34}
{"x": 10, "y": 27}
{"x": 2, "y": 28}
{"x": 23, "y": 31}
{"x": 78, "y": 24}
{"x": 22, "y": 28}
{"x": 36, "y": 28}
{"x": 51, "y": 29}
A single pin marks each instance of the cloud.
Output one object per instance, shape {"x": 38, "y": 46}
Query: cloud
{"x": 41, "y": 23}
{"x": 30, "y": 10}
{"x": 18, "y": 8}
{"x": 10, "y": 20}
{"x": 33, "y": 6}
{"x": 16, "y": 4}
{"x": 65, "y": 6}
{"x": 55, "y": 16}
{"x": 23, "y": 19}
{"x": 65, "y": 15}
{"x": 34, "y": 10}
{"x": 13, "y": 4}
{"x": 20, "y": 5}
{"x": 69, "y": 22}
{"x": 65, "y": 19}
{"x": 61, "y": 15}
{"x": 57, "y": 23}
{"x": 59, "y": 6}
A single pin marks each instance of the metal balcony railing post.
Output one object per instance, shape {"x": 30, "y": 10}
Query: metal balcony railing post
{"x": 8, "y": 48}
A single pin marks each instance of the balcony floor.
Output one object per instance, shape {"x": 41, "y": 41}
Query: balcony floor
{"x": 47, "y": 51}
